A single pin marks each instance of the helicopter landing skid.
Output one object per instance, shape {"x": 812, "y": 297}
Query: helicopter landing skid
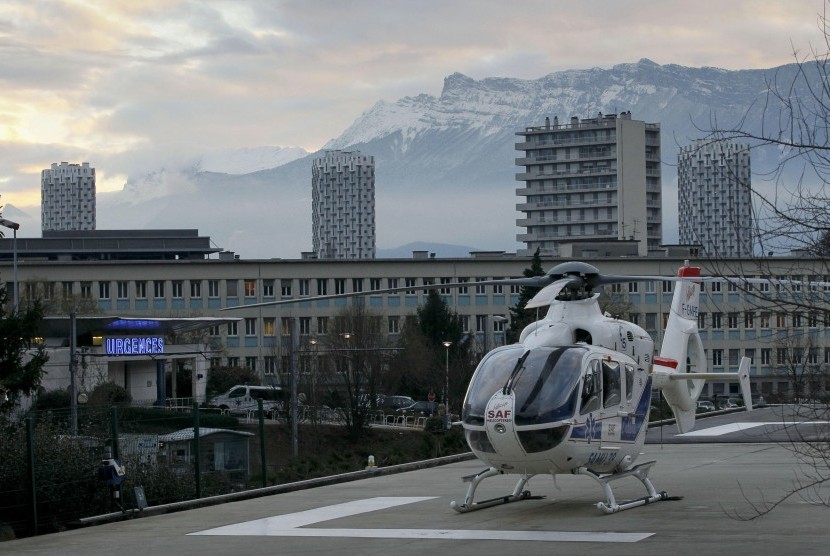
{"x": 475, "y": 479}
{"x": 640, "y": 472}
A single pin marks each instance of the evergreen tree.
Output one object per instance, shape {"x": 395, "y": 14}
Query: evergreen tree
{"x": 422, "y": 363}
{"x": 519, "y": 317}
{"x": 20, "y": 372}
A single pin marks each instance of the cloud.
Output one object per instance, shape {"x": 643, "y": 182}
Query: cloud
{"x": 129, "y": 85}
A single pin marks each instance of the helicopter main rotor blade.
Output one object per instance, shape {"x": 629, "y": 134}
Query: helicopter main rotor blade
{"x": 534, "y": 282}
{"x": 548, "y": 294}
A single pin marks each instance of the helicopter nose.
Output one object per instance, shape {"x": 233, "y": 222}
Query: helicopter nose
{"x": 499, "y": 424}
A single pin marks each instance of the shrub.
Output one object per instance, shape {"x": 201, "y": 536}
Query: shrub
{"x": 53, "y": 399}
{"x": 109, "y": 394}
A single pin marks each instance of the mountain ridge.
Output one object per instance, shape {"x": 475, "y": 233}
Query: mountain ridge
{"x": 445, "y": 164}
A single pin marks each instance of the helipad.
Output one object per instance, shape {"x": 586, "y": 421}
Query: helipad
{"x": 721, "y": 484}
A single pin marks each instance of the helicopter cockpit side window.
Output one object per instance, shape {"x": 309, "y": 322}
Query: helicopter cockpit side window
{"x": 591, "y": 388}
{"x": 611, "y": 383}
{"x": 629, "y": 382}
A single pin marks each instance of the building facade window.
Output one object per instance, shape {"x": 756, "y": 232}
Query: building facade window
{"x": 480, "y": 288}
{"x": 213, "y": 288}
{"x": 232, "y": 288}
{"x": 103, "y": 290}
{"x": 250, "y": 287}
{"x": 269, "y": 365}
{"x": 158, "y": 289}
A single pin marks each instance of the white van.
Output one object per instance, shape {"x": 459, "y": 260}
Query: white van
{"x": 242, "y": 398}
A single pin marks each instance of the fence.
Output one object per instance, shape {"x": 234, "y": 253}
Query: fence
{"x": 50, "y": 478}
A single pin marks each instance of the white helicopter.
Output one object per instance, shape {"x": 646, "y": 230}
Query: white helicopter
{"x": 573, "y": 395}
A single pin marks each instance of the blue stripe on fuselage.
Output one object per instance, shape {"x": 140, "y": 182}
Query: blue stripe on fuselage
{"x": 631, "y": 425}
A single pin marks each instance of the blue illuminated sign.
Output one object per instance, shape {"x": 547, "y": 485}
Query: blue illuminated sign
{"x": 134, "y": 346}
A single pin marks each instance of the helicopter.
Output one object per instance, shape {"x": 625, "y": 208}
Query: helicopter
{"x": 573, "y": 395}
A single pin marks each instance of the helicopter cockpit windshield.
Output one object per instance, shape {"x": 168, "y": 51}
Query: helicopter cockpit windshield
{"x": 543, "y": 381}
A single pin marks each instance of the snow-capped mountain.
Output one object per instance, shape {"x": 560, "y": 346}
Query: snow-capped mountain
{"x": 445, "y": 165}
{"x": 249, "y": 160}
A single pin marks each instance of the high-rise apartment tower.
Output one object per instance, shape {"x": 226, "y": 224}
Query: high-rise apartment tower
{"x": 67, "y": 197}
{"x": 343, "y": 205}
{"x": 714, "y": 192}
{"x": 590, "y": 179}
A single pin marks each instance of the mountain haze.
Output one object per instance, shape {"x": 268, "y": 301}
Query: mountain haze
{"x": 445, "y": 165}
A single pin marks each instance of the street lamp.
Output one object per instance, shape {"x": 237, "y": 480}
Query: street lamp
{"x": 13, "y": 226}
{"x": 447, "y": 345}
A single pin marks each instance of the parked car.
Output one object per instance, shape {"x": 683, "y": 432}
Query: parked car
{"x": 731, "y": 403}
{"x": 393, "y": 403}
{"x": 427, "y": 409}
{"x": 242, "y": 398}
{"x": 704, "y": 406}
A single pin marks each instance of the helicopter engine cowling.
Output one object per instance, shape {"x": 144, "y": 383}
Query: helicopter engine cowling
{"x": 581, "y": 321}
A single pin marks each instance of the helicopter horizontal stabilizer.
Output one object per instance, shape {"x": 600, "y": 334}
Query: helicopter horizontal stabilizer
{"x": 742, "y": 376}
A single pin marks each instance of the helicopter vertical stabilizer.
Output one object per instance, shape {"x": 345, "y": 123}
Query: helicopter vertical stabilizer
{"x": 681, "y": 369}
{"x": 682, "y": 354}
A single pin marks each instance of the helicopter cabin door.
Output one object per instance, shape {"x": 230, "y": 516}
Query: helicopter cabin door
{"x": 604, "y": 400}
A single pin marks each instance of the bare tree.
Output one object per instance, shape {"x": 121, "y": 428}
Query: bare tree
{"x": 358, "y": 356}
{"x": 788, "y": 131}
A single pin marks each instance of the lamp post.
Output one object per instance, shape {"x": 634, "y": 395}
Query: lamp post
{"x": 447, "y": 416}
{"x": 13, "y": 226}
{"x": 312, "y": 395}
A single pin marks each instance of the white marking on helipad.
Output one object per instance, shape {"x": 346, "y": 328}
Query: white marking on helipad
{"x": 289, "y": 525}
{"x": 737, "y": 427}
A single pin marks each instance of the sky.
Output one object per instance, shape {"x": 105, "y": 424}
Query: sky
{"x": 130, "y": 85}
